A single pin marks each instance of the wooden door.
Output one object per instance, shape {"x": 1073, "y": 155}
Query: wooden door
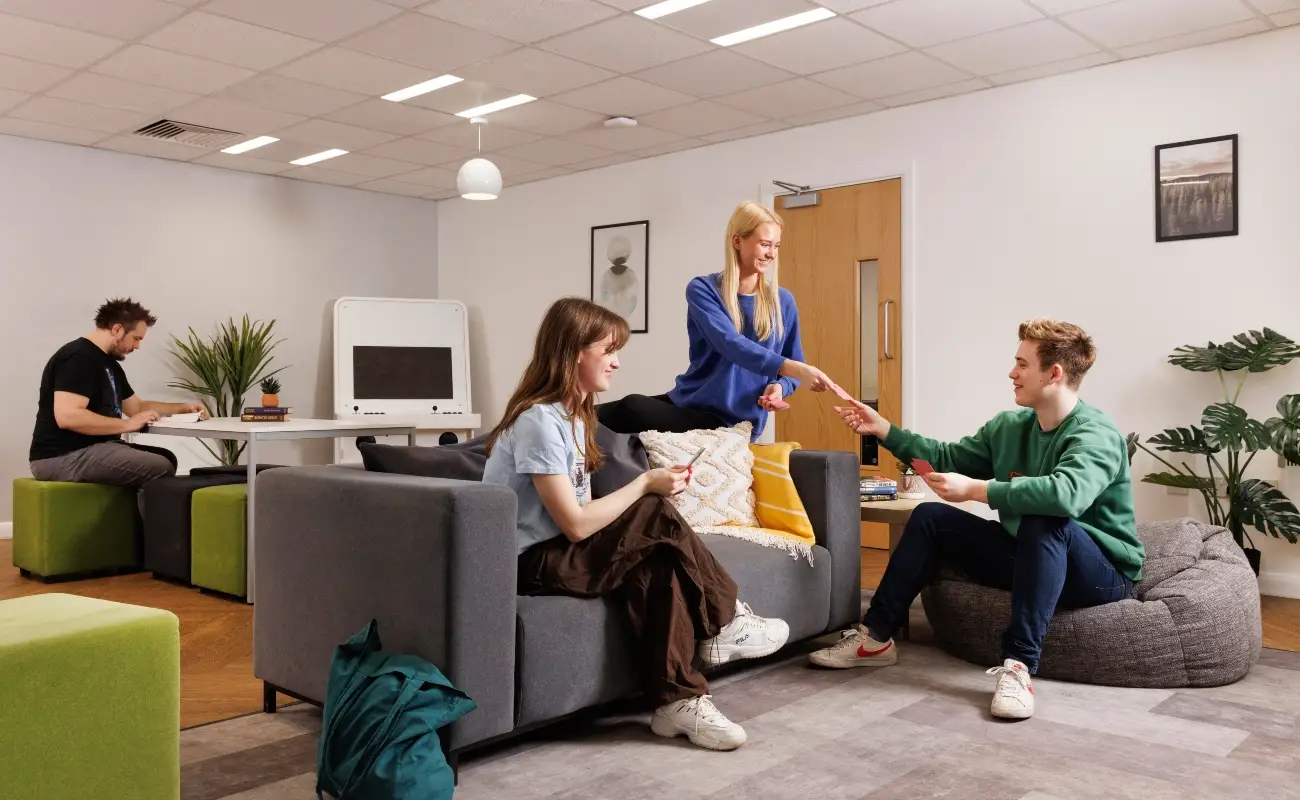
{"x": 826, "y": 249}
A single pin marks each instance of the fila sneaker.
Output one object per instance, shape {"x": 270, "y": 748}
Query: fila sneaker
{"x": 700, "y": 721}
{"x": 746, "y": 636}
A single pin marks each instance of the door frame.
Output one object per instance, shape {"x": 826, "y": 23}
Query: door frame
{"x": 834, "y": 179}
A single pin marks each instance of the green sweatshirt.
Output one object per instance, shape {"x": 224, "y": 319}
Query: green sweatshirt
{"x": 1078, "y": 470}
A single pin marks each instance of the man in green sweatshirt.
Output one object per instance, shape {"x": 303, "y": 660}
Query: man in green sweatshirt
{"x": 1056, "y": 471}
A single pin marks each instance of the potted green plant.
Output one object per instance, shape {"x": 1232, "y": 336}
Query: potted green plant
{"x": 223, "y": 368}
{"x": 1228, "y": 439}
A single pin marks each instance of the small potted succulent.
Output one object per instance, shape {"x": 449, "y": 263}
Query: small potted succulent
{"x": 910, "y": 485}
{"x": 270, "y": 393}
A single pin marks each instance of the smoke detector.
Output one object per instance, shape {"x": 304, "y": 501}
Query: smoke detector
{"x": 620, "y": 122}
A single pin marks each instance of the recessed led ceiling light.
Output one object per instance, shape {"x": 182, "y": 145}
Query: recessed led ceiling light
{"x": 312, "y": 159}
{"x": 509, "y": 102}
{"x": 418, "y": 89}
{"x": 251, "y": 144}
{"x": 775, "y": 26}
{"x": 668, "y": 7}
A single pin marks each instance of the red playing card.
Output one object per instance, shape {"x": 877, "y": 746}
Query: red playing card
{"x": 835, "y": 387}
{"x": 779, "y": 405}
{"x": 922, "y": 467}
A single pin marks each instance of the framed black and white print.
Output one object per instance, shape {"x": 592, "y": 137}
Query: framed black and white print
{"x": 1196, "y": 189}
{"x": 620, "y": 271}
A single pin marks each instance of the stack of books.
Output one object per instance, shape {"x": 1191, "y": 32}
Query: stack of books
{"x": 266, "y": 414}
{"x": 877, "y": 489}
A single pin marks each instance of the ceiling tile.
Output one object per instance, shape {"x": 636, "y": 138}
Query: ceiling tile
{"x": 10, "y": 98}
{"x": 120, "y": 19}
{"x": 1014, "y": 48}
{"x": 845, "y": 6}
{"x": 154, "y": 148}
{"x": 1286, "y": 18}
{"x": 671, "y": 147}
{"x": 698, "y": 119}
{"x": 624, "y": 140}
{"x": 431, "y": 43}
{"x": 231, "y": 116}
{"x": 170, "y": 70}
{"x": 554, "y": 152}
{"x": 101, "y": 90}
{"x": 623, "y": 96}
{"x": 1268, "y": 6}
{"x": 402, "y": 119}
{"x": 187, "y": 3}
{"x": 540, "y": 175}
{"x": 460, "y": 96}
{"x": 713, "y": 73}
{"x": 626, "y": 44}
{"x": 284, "y": 151}
{"x": 907, "y": 72}
{"x": 286, "y": 94}
{"x": 713, "y": 19}
{"x": 52, "y": 133}
{"x": 599, "y": 163}
{"x": 354, "y": 72}
{"x": 419, "y": 151}
{"x": 628, "y": 5}
{"x": 392, "y": 186}
{"x": 466, "y": 136}
{"x": 1054, "y": 68}
{"x": 29, "y": 76}
{"x": 799, "y": 96}
{"x": 1219, "y": 34}
{"x": 761, "y": 128}
{"x": 1134, "y": 21}
{"x": 230, "y": 41}
{"x": 936, "y": 92}
{"x": 922, "y": 23}
{"x": 441, "y": 194}
{"x": 244, "y": 163}
{"x": 371, "y": 166}
{"x": 435, "y": 177}
{"x": 546, "y": 118}
{"x": 54, "y": 111}
{"x": 317, "y": 174}
{"x": 320, "y": 20}
{"x": 406, "y": 3}
{"x": 817, "y": 48}
{"x": 335, "y": 134}
{"x": 1056, "y": 7}
{"x": 50, "y": 44}
{"x": 535, "y": 72}
{"x": 523, "y": 22}
{"x": 842, "y": 112}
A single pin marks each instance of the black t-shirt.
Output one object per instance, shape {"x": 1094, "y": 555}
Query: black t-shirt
{"x": 79, "y": 367}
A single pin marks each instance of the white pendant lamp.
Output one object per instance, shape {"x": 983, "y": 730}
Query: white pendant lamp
{"x": 479, "y": 179}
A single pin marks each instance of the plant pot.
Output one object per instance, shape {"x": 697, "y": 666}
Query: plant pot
{"x": 911, "y": 487}
{"x": 270, "y": 401}
{"x": 1252, "y": 555}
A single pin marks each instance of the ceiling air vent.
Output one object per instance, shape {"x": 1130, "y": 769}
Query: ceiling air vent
{"x": 189, "y": 134}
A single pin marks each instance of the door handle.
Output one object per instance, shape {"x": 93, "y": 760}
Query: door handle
{"x": 888, "y": 327}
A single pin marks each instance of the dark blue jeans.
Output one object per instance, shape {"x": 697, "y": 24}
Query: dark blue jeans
{"x": 1050, "y": 562}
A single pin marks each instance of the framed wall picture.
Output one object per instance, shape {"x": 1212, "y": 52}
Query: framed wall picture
{"x": 1196, "y": 189}
{"x": 620, "y": 271}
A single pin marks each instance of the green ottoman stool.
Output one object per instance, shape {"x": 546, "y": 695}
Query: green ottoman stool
{"x": 219, "y": 538}
{"x": 66, "y": 529}
{"x": 91, "y": 700}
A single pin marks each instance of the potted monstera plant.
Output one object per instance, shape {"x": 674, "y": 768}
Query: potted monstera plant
{"x": 1228, "y": 440}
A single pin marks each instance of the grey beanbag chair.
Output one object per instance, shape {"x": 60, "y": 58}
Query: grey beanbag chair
{"x": 1194, "y": 621}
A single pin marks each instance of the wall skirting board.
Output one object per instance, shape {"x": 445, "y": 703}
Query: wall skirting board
{"x": 6, "y": 530}
{"x": 1278, "y": 584}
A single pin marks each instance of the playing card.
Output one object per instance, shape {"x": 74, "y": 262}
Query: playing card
{"x": 776, "y": 404}
{"x": 835, "y": 387}
{"x": 922, "y": 467}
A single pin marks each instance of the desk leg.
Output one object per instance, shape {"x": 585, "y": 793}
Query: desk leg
{"x": 250, "y": 454}
{"x": 410, "y": 437}
{"x": 895, "y": 536}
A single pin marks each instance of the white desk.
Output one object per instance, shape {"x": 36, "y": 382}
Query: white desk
{"x": 254, "y": 432}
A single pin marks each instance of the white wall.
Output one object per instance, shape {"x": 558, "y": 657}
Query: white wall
{"x": 196, "y": 245}
{"x": 1033, "y": 199}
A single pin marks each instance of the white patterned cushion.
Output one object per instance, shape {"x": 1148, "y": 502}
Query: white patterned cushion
{"x": 721, "y": 490}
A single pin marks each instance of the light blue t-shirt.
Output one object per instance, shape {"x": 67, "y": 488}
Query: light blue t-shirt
{"x": 544, "y": 440}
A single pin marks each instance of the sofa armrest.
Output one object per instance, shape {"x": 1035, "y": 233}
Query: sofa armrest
{"x": 434, "y": 561}
{"x": 827, "y": 482}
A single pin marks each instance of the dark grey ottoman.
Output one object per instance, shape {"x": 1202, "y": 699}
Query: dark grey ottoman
{"x": 1194, "y": 621}
{"x": 166, "y": 504}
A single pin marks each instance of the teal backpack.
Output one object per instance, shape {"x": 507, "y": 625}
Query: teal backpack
{"x": 379, "y": 738}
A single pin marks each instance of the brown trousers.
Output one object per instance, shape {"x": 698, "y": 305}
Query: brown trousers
{"x": 674, "y": 590}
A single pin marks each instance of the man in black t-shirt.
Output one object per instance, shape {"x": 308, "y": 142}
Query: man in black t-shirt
{"x": 86, "y": 404}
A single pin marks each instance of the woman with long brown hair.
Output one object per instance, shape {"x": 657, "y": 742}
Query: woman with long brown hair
{"x": 631, "y": 543}
{"x": 746, "y": 356}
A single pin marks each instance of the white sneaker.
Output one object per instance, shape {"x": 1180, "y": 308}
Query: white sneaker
{"x": 699, "y": 720}
{"x": 1014, "y": 696}
{"x": 856, "y": 648}
{"x": 746, "y": 636}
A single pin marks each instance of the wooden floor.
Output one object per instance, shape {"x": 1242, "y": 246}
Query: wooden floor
{"x": 217, "y": 634}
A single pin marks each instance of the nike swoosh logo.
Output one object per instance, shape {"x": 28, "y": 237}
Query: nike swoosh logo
{"x": 865, "y": 653}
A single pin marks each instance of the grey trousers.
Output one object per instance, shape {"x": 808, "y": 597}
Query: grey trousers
{"x": 110, "y": 463}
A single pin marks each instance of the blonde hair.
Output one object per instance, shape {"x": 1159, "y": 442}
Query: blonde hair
{"x": 571, "y": 325}
{"x": 1061, "y": 343}
{"x": 744, "y": 221}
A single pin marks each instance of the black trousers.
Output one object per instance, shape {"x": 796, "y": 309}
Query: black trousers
{"x": 637, "y": 413}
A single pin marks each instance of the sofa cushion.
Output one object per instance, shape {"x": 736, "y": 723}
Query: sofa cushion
{"x": 721, "y": 490}
{"x": 625, "y": 459}
{"x": 460, "y": 461}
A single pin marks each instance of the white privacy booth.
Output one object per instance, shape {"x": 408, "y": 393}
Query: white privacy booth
{"x": 404, "y": 361}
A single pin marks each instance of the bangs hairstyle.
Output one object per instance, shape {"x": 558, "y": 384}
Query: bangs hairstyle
{"x": 1061, "y": 343}
{"x": 745, "y": 220}
{"x": 571, "y": 325}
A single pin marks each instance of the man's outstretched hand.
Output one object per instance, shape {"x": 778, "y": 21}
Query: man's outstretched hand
{"x": 956, "y": 488}
{"x": 863, "y": 419}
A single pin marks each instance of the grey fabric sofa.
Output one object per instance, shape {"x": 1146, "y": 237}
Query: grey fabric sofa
{"x": 434, "y": 561}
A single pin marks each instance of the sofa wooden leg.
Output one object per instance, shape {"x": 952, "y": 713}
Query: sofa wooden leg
{"x": 268, "y": 698}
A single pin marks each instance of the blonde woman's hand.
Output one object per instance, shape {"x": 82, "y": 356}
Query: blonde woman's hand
{"x": 807, "y": 375}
